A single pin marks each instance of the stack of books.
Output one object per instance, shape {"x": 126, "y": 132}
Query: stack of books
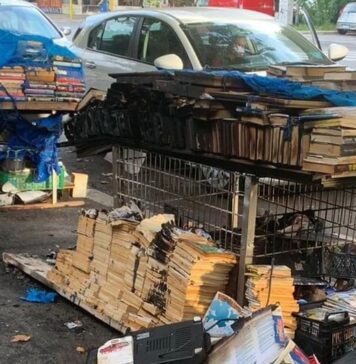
{"x": 61, "y": 80}
{"x": 332, "y": 143}
{"x": 70, "y": 84}
{"x": 11, "y": 81}
{"x": 333, "y": 77}
{"x": 266, "y": 285}
{"x": 195, "y": 273}
{"x": 116, "y": 270}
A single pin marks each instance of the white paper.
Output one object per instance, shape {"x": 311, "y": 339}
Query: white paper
{"x": 116, "y": 351}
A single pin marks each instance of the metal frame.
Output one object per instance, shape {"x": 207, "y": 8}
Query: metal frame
{"x": 255, "y": 218}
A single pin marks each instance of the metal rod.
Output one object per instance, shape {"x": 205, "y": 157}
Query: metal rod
{"x": 115, "y": 175}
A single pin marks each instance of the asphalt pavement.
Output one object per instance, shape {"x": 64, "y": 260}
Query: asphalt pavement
{"x": 38, "y": 232}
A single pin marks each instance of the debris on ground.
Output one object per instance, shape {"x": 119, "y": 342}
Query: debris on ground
{"x": 80, "y": 349}
{"x": 51, "y": 257}
{"x": 39, "y": 296}
{"x": 116, "y": 351}
{"x": 76, "y": 326}
{"x": 20, "y": 338}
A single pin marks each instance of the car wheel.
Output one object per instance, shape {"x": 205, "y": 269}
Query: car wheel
{"x": 342, "y": 31}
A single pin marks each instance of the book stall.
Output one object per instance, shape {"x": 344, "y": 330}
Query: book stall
{"x": 40, "y": 83}
{"x": 235, "y": 209}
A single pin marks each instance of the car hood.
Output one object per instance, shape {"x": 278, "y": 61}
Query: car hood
{"x": 63, "y": 42}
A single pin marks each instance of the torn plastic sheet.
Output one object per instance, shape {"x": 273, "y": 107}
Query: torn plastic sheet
{"x": 34, "y": 143}
{"x": 14, "y": 50}
{"x": 39, "y": 296}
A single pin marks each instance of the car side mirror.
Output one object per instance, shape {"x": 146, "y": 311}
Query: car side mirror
{"x": 66, "y": 31}
{"x": 337, "y": 52}
{"x": 169, "y": 62}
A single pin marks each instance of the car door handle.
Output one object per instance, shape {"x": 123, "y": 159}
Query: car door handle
{"x": 90, "y": 65}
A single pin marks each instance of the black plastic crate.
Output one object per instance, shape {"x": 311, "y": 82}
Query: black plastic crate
{"x": 328, "y": 349}
{"x": 338, "y": 264}
{"x": 321, "y": 328}
{"x": 328, "y": 262}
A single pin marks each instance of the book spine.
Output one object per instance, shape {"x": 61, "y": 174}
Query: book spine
{"x": 347, "y": 150}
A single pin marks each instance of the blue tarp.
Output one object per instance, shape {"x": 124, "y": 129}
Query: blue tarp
{"x": 35, "y": 141}
{"x": 13, "y": 46}
{"x": 39, "y": 296}
{"x": 279, "y": 87}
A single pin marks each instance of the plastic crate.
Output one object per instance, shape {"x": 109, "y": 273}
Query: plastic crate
{"x": 339, "y": 265}
{"x": 327, "y": 349}
{"x": 321, "y": 328}
{"x": 24, "y": 180}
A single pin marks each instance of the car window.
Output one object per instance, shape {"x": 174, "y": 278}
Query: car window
{"x": 95, "y": 37}
{"x": 350, "y": 7}
{"x": 77, "y": 32}
{"x": 26, "y": 20}
{"x": 158, "y": 39}
{"x": 116, "y": 35}
{"x": 251, "y": 45}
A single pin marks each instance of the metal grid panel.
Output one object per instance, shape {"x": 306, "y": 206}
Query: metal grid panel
{"x": 290, "y": 217}
{"x": 198, "y": 195}
{"x": 299, "y": 217}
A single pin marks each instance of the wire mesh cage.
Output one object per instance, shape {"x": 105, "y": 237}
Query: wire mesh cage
{"x": 294, "y": 222}
{"x": 199, "y": 196}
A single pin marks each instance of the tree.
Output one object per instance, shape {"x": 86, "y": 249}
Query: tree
{"x": 324, "y": 11}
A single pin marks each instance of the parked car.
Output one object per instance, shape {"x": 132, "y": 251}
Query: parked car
{"x": 22, "y": 17}
{"x": 140, "y": 39}
{"x": 347, "y": 19}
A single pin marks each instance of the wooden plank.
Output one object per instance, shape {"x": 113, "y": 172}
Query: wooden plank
{"x": 40, "y": 105}
{"x": 38, "y": 269}
{"x": 247, "y": 233}
{"x": 43, "y": 206}
{"x": 92, "y": 94}
{"x": 54, "y": 187}
{"x": 80, "y": 188}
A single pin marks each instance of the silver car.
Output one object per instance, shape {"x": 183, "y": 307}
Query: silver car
{"x": 347, "y": 19}
{"x": 192, "y": 38}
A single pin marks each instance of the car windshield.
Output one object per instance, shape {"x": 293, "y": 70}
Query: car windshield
{"x": 250, "y": 46}
{"x": 26, "y": 20}
{"x": 350, "y": 8}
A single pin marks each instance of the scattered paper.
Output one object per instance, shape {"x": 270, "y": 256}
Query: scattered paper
{"x": 116, "y": 351}
{"x": 73, "y": 324}
{"x": 20, "y": 338}
{"x": 8, "y": 187}
{"x": 222, "y": 308}
{"x": 32, "y": 196}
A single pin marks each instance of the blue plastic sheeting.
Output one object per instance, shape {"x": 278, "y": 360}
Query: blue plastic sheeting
{"x": 279, "y": 87}
{"x": 39, "y": 296}
{"x": 34, "y": 141}
{"x": 13, "y": 46}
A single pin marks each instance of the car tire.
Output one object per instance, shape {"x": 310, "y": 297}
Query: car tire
{"x": 342, "y": 31}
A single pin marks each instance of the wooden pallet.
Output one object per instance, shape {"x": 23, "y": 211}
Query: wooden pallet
{"x": 38, "y": 269}
{"x": 44, "y": 205}
{"x": 39, "y": 105}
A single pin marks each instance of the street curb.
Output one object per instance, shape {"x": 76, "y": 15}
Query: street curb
{"x": 62, "y": 17}
{"x": 321, "y": 32}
